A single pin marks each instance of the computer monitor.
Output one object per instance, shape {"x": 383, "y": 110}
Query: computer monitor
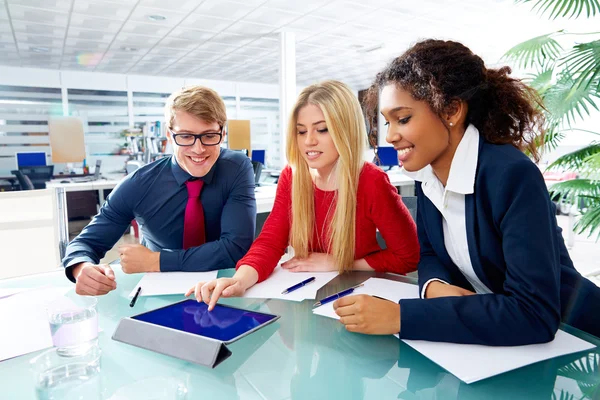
{"x": 31, "y": 159}
{"x": 258, "y": 155}
{"x": 388, "y": 156}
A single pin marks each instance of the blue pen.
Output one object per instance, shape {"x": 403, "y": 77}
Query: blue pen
{"x": 298, "y": 285}
{"x": 336, "y": 296}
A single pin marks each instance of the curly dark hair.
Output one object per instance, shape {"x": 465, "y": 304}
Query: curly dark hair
{"x": 503, "y": 109}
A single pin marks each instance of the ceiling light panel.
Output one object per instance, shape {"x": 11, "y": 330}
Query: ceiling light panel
{"x": 191, "y": 34}
{"x": 86, "y": 34}
{"x": 179, "y": 5}
{"x": 233, "y": 39}
{"x": 99, "y": 24}
{"x": 251, "y": 29}
{"x": 172, "y": 18}
{"x": 57, "y": 5}
{"x": 38, "y": 29}
{"x": 24, "y": 39}
{"x": 140, "y": 28}
{"x": 114, "y": 11}
{"x": 38, "y": 15}
{"x": 300, "y": 7}
{"x": 178, "y": 43}
{"x": 271, "y": 16}
{"x": 224, "y": 9}
{"x": 206, "y": 23}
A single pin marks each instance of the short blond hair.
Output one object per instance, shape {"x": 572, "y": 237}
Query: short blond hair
{"x": 200, "y": 101}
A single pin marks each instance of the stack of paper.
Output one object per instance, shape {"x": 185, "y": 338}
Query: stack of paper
{"x": 281, "y": 279}
{"x": 166, "y": 283}
{"x": 25, "y": 326}
{"x": 469, "y": 363}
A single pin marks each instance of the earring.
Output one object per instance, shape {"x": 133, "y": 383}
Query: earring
{"x": 451, "y": 123}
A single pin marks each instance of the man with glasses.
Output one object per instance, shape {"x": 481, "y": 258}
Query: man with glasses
{"x": 196, "y": 209}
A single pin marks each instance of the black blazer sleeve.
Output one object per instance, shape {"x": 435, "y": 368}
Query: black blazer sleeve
{"x": 528, "y": 310}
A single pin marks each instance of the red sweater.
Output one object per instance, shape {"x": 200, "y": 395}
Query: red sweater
{"x": 378, "y": 206}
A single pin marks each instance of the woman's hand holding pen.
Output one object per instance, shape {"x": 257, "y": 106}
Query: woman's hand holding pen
{"x": 210, "y": 292}
{"x": 367, "y": 314}
{"x": 320, "y": 262}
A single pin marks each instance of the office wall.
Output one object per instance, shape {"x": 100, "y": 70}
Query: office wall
{"x": 92, "y": 96}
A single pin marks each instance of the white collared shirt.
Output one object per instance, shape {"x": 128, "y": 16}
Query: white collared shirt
{"x": 450, "y": 201}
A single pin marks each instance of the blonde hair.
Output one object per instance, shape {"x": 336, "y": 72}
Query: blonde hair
{"x": 200, "y": 101}
{"x": 346, "y": 125}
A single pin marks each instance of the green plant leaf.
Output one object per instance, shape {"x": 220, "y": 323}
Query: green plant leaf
{"x": 566, "y": 102}
{"x": 565, "y": 8}
{"x": 577, "y": 160}
{"x": 589, "y": 222}
{"x": 541, "y": 81}
{"x": 583, "y": 64}
{"x": 541, "y": 51}
{"x": 577, "y": 189}
{"x": 553, "y": 137}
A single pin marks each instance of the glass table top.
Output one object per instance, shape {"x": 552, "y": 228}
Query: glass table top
{"x": 301, "y": 356}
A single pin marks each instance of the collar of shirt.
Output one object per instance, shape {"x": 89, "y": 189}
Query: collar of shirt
{"x": 461, "y": 178}
{"x": 182, "y": 176}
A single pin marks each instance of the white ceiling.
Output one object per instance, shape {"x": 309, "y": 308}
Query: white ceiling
{"x": 238, "y": 40}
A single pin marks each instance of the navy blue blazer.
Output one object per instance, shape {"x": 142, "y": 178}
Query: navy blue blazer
{"x": 517, "y": 251}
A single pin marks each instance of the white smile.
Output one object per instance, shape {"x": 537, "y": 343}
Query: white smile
{"x": 405, "y": 151}
{"x": 198, "y": 159}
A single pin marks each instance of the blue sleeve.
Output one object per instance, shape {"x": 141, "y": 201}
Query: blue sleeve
{"x": 238, "y": 222}
{"x": 105, "y": 229}
{"x": 430, "y": 266}
{"x": 528, "y": 310}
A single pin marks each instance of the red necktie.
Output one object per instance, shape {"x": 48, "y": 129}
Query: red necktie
{"x": 193, "y": 224}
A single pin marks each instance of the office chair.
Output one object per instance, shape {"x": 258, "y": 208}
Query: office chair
{"x": 257, "y": 166}
{"x": 39, "y": 175}
{"x": 24, "y": 181}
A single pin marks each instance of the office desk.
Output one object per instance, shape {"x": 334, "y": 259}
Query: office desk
{"x": 73, "y": 186}
{"x": 265, "y": 195}
{"x": 302, "y": 356}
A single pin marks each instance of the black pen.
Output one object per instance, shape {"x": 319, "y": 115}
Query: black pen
{"x": 137, "y": 293}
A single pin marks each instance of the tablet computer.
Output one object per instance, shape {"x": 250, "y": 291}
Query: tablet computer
{"x": 224, "y": 323}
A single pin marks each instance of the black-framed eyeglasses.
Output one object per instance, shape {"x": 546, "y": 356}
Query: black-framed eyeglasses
{"x": 206, "y": 138}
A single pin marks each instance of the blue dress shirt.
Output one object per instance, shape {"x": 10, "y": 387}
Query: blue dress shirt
{"x": 156, "y": 196}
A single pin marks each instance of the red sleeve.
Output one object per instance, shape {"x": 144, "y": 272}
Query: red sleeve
{"x": 267, "y": 249}
{"x": 396, "y": 226}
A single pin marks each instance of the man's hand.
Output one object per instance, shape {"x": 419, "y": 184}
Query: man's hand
{"x": 315, "y": 262}
{"x": 136, "y": 258}
{"x": 93, "y": 280}
{"x": 368, "y": 314}
{"x": 440, "y": 289}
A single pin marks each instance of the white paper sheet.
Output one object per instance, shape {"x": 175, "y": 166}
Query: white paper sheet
{"x": 384, "y": 288}
{"x": 471, "y": 363}
{"x": 25, "y": 326}
{"x": 166, "y": 283}
{"x": 282, "y": 279}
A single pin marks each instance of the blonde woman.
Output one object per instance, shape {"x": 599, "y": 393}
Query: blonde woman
{"x": 329, "y": 202}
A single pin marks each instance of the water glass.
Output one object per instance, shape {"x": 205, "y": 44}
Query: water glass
{"x": 74, "y": 325}
{"x": 64, "y": 378}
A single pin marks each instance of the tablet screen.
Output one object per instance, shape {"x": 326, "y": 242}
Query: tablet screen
{"x": 222, "y": 323}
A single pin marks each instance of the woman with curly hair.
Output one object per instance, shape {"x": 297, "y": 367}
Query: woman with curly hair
{"x": 494, "y": 269}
